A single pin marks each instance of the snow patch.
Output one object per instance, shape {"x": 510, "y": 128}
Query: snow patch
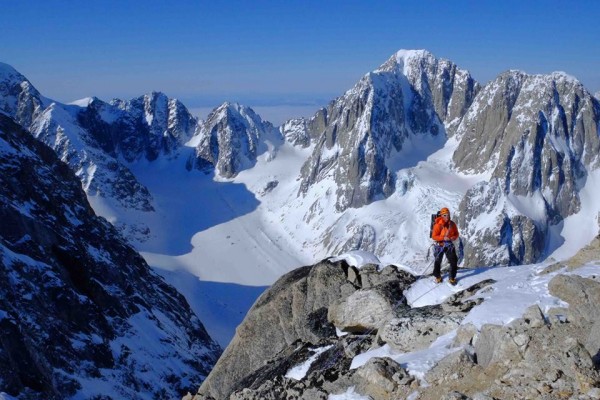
{"x": 299, "y": 371}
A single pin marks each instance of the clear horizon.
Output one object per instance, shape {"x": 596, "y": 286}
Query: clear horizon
{"x": 273, "y": 55}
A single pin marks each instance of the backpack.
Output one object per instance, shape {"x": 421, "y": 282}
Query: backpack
{"x": 433, "y": 218}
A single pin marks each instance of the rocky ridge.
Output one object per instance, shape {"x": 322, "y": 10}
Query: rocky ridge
{"x": 552, "y": 355}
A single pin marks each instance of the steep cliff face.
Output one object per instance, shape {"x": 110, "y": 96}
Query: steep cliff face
{"x": 18, "y": 97}
{"x": 81, "y": 314}
{"x": 153, "y": 125}
{"x": 538, "y": 135}
{"x": 362, "y": 137}
{"x": 231, "y": 139}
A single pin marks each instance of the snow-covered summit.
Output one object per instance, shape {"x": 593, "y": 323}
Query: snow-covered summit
{"x": 231, "y": 139}
{"x": 18, "y": 97}
{"x": 404, "y": 60}
{"x": 7, "y": 72}
{"x": 85, "y": 102}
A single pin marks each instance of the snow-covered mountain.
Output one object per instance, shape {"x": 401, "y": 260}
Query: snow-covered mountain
{"x": 234, "y": 202}
{"x": 231, "y": 139}
{"x": 537, "y": 135}
{"x": 414, "y": 135}
{"x": 366, "y": 136}
{"x": 81, "y": 313}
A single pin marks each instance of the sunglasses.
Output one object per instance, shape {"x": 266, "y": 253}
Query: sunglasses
{"x": 444, "y": 215}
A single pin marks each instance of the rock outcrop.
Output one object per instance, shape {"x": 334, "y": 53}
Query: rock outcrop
{"x": 300, "y": 319}
{"x": 552, "y": 355}
{"x": 537, "y": 356}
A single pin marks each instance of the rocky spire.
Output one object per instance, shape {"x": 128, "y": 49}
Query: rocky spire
{"x": 231, "y": 139}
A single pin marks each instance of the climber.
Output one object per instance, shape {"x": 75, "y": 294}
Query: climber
{"x": 444, "y": 233}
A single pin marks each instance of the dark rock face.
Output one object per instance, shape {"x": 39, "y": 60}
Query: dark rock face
{"x": 79, "y": 308}
{"x": 18, "y": 97}
{"x": 294, "y": 308}
{"x": 153, "y": 125}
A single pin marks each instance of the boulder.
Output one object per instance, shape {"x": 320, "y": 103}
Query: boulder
{"x": 367, "y": 309}
{"x": 383, "y": 379}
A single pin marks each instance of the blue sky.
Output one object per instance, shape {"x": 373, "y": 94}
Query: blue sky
{"x": 282, "y": 52}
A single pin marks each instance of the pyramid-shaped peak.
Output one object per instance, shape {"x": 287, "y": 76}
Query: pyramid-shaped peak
{"x": 405, "y": 55}
{"x": 408, "y": 62}
{"x": 156, "y": 97}
{"x": 234, "y": 108}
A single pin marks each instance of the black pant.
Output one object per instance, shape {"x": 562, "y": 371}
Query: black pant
{"x": 450, "y": 253}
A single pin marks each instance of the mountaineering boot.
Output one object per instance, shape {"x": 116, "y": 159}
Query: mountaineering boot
{"x": 438, "y": 279}
{"x": 452, "y": 281}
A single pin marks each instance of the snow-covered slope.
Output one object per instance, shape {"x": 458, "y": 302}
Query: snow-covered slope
{"x": 81, "y": 313}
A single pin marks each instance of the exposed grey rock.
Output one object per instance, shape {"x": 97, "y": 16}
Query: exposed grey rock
{"x": 75, "y": 298}
{"x": 496, "y": 344}
{"x": 538, "y": 134}
{"x": 583, "y": 295}
{"x": 294, "y": 308}
{"x": 367, "y": 309}
{"x": 370, "y": 276}
{"x": 460, "y": 302}
{"x": 409, "y": 98}
{"x": 465, "y": 335}
{"x": 383, "y": 379}
{"x": 231, "y": 139}
{"x": 417, "y": 329}
{"x": 454, "y": 395}
{"x": 329, "y": 373}
{"x": 453, "y": 367}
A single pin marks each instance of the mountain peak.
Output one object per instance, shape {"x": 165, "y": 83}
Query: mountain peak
{"x": 153, "y": 95}
{"x": 8, "y": 71}
{"x": 404, "y": 54}
{"x": 406, "y": 61}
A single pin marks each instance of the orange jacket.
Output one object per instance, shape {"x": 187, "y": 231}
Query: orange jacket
{"x": 441, "y": 230}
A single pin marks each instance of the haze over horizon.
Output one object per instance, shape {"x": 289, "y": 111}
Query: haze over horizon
{"x": 288, "y": 57}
